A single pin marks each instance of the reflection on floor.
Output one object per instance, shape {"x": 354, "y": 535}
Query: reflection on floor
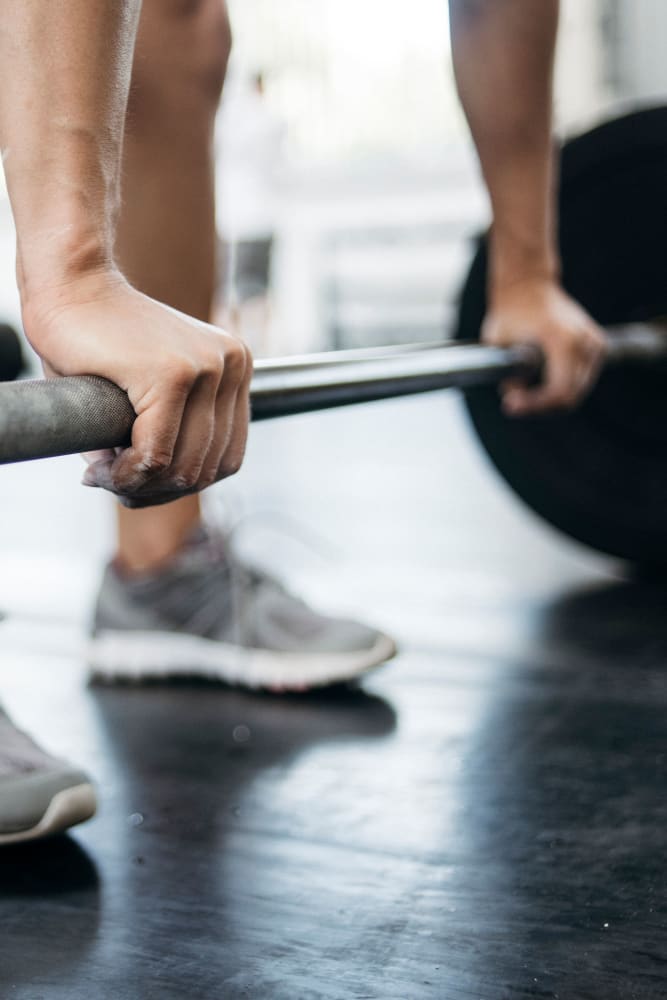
{"x": 484, "y": 819}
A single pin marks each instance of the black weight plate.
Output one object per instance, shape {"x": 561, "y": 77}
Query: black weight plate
{"x": 599, "y": 473}
{"x": 11, "y": 356}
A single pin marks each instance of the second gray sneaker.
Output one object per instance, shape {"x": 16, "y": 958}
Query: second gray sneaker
{"x": 39, "y": 794}
{"x": 208, "y": 614}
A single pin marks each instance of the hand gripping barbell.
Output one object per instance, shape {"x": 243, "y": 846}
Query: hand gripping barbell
{"x": 599, "y": 473}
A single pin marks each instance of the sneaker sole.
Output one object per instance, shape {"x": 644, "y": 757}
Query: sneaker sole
{"x": 66, "y": 809}
{"x": 137, "y": 656}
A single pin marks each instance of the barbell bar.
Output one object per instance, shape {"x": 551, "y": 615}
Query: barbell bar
{"x": 44, "y": 418}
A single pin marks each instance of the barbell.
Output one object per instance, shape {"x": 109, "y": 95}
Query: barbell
{"x": 599, "y": 473}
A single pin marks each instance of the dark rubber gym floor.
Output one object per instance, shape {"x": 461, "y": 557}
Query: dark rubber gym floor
{"x": 484, "y": 819}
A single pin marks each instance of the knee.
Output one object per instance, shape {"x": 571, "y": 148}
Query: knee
{"x": 181, "y": 57}
{"x": 206, "y": 23}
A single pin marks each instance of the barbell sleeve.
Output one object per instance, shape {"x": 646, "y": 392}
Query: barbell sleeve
{"x": 43, "y": 418}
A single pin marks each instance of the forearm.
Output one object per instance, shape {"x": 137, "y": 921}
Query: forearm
{"x": 64, "y": 76}
{"x": 503, "y": 59}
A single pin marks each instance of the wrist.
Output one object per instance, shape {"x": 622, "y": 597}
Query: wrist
{"x": 52, "y": 291}
{"x": 65, "y": 217}
{"x": 515, "y": 262}
{"x": 60, "y": 254}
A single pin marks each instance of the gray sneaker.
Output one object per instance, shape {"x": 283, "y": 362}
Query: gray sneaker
{"x": 39, "y": 794}
{"x": 208, "y": 614}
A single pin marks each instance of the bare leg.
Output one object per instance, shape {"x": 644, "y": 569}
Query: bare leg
{"x": 166, "y": 232}
{"x": 65, "y": 69}
{"x": 180, "y": 617}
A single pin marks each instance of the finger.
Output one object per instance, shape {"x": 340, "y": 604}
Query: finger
{"x": 194, "y": 438}
{"x": 509, "y": 385}
{"x": 521, "y": 402}
{"x": 558, "y": 391}
{"x": 225, "y": 410}
{"x": 586, "y": 379}
{"x": 193, "y": 450}
{"x": 494, "y": 331}
{"x": 182, "y": 477}
{"x": 598, "y": 349}
{"x": 232, "y": 414}
{"x": 591, "y": 360}
{"x": 105, "y": 455}
{"x": 232, "y": 458}
{"x": 154, "y": 435}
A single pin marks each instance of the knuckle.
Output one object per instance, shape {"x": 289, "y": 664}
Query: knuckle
{"x": 586, "y": 347}
{"x": 208, "y": 478}
{"x": 249, "y": 360}
{"x": 235, "y": 361}
{"x": 187, "y": 480}
{"x": 181, "y": 376}
{"x": 212, "y": 366}
{"x": 153, "y": 462}
{"x": 593, "y": 341}
{"x": 599, "y": 347}
{"x": 230, "y": 465}
{"x": 492, "y": 334}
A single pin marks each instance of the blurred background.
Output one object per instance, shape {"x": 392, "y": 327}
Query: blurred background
{"x": 342, "y": 146}
{"x": 362, "y": 161}
{"x": 348, "y": 195}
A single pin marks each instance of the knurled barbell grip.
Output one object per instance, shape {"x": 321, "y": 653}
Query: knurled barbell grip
{"x": 48, "y": 417}
{"x": 43, "y": 418}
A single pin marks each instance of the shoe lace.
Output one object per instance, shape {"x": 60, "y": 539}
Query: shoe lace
{"x": 247, "y": 575}
{"x": 232, "y": 517}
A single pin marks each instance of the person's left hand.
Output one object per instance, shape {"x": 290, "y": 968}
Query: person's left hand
{"x": 538, "y": 311}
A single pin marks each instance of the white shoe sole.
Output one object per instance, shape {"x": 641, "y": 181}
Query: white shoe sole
{"x": 137, "y": 656}
{"x": 66, "y": 809}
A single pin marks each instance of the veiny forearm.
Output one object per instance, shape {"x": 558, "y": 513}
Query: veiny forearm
{"x": 64, "y": 76}
{"x": 503, "y": 59}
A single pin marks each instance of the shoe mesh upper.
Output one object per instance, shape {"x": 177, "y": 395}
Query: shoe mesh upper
{"x": 208, "y": 591}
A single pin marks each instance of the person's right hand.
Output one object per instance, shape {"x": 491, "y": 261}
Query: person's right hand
{"x": 187, "y": 381}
